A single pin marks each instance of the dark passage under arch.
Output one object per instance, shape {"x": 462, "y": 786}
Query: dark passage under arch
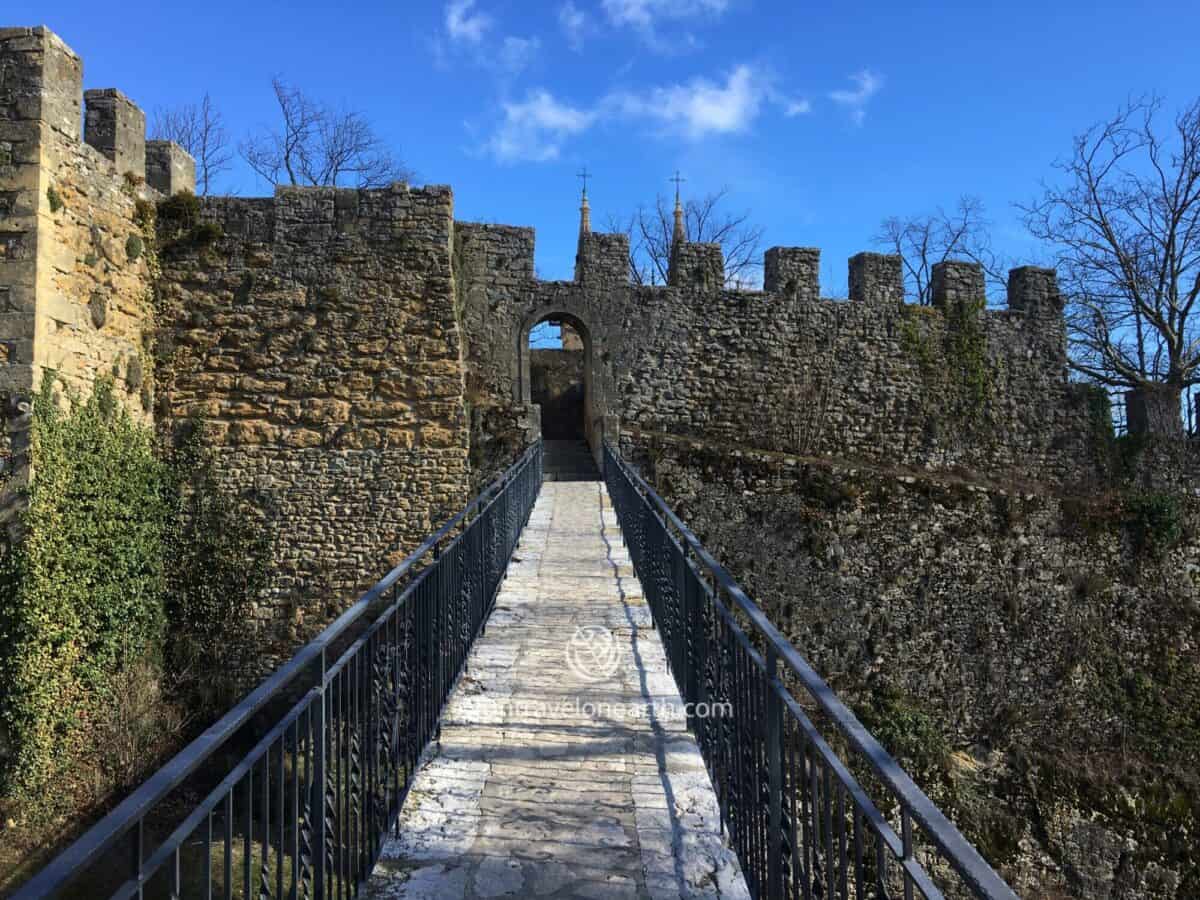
{"x": 558, "y": 384}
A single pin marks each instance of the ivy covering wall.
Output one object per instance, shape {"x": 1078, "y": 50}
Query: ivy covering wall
{"x": 123, "y": 603}
{"x": 82, "y": 588}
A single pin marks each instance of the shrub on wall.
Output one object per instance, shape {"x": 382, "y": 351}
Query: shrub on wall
{"x": 219, "y": 550}
{"x": 81, "y": 590}
{"x": 124, "y": 604}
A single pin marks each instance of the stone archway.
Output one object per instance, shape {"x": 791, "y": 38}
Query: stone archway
{"x": 591, "y": 413}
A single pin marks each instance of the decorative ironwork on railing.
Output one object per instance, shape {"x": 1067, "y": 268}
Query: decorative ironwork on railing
{"x": 305, "y": 812}
{"x": 801, "y": 822}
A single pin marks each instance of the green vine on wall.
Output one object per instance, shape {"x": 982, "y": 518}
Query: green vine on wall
{"x": 220, "y": 547}
{"x": 180, "y": 225}
{"x": 129, "y": 559}
{"x": 953, "y": 364}
{"x": 82, "y": 588}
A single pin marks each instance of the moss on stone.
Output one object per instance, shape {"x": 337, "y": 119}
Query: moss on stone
{"x": 54, "y": 198}
{"x": 178, "y": 214}
{"x": 954, "y": 368}
{"x": 179, "y": 225}
{"x": 1154, "y": 521}
{"x": 144, "y": 213}
{"x": 207, "y": 233}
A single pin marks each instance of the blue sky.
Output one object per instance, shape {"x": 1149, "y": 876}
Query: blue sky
{"x": 820, "y": 118}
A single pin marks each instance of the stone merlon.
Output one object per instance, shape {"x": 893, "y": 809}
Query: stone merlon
{"x": 116, "y": 126}
{"x": 876, "y": 278}
{"x": 792, "y": 271}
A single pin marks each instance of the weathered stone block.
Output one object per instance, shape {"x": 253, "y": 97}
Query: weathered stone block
{"x": 956, "y": 282}
{"x": 793, "y": 272}
{"x": 1034, "y": 290}
{"x": 602, "y": 259}
{"x": 1154, "y": 410}
{"x": 698, "y": 267}
{"x": 116, "y": 126}
{"x": 169, "y": 168}
{"x": 43, "y": 80}
{"x": 876, "y": 278}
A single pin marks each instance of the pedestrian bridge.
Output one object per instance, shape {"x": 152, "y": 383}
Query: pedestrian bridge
{"x": 559, "y": 694}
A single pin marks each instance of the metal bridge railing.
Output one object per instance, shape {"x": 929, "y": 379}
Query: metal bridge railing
{"x": 305, "y": 812}
{"x": 802, "y": 824}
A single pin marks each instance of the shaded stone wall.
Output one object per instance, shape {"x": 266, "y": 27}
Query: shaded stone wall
{"x": 556, "y": 385}
{"x": 1033, "y": 659}
{"x": 315, "y": 336}
{"x": 950, "y": 386}
{"x": 955, "y": 385}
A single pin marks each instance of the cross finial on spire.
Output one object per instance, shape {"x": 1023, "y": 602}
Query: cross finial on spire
{"x": 585, "y": 212}
{"x": 679, "y": 235}
{"x": 678, "y": 179}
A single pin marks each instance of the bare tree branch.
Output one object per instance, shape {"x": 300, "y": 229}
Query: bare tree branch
{"x": 651, "y": 230}
{"x": 921, "y": 241}
{"x": 200, "y": 130}
{"x": 1125, "y": 227}
{"x": 319, "y": 145}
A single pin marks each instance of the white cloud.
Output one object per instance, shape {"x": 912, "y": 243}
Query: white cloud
{"x": 516, "y": 53}
{"x": 534, "y": 130}
{"x": 700, "y": 107}
{"x": 467, "y": 34}
{"x": 797, "y": 108}
{"x": 868, "y": 84}
{"x": 644, "y": 13}
{"x": 649, "y": 17}
{"x": 574, "y": 23}
{"x": 463, "y": 25}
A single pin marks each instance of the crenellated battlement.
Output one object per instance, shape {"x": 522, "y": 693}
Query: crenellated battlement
{"x": 116, "y": 126}
{"x": 876, "y": 278}
{"x": 73, "y": 268}
{"x": 697, "y": 267}
{"x": 690, "y": 357}
{"x": 43, "y": 85}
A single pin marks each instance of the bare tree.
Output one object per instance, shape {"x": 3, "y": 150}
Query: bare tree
{"x": 921, "y": 241}
{"x": 651, "y": 231}
{"x": 1126, "y": 231}
{"x": 318, "y": 145}
{"x": 200, "y": 130}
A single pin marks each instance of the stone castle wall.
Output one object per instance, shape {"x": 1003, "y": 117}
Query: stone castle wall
{"x": 362, "y": 360}
{"x": 75, "y": 263}
{"x": 1032, "y": 665}
{"x": 953, "y": 385}
{"x": 315, "y": 337}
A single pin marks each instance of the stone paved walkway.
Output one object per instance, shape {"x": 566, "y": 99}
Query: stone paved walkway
{"x": 565, "y": 767}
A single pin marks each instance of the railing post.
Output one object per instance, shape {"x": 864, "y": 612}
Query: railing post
{"x": 774, "y": 779}
{"x": 139, "y": 842}
{"x": 691, "y": 623}
{"x": 317, "y": 801}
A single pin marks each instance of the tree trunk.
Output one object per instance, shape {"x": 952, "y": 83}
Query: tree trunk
{"x": 1154, "y": 409}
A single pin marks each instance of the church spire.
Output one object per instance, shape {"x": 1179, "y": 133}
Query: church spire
{"x": 585, "y": 211}
{"x": 679, "y": 235}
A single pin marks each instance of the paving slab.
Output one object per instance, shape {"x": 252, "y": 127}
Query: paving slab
{"x": 564, "y": 768}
